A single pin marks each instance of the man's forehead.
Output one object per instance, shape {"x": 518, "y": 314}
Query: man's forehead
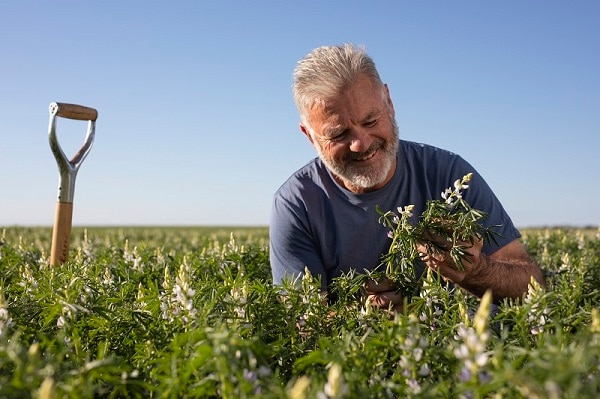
{"x": 327, "y": 117}
{"x": 322, "y": 110}
{"x": 333, "y": 114}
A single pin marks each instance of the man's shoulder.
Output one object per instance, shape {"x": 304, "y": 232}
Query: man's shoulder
{"x": 308, "y": 177}
{"x": 430, "y": 165}
{"x": 425, "y": 151}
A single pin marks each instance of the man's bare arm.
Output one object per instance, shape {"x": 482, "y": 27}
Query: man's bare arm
{"x": 507, "y": 272}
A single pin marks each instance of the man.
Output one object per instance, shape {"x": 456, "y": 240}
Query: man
{"x": 324, "y": 216}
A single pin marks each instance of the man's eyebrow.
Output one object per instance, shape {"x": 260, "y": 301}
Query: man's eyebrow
{"x": 333, "y": 130}
{"x": 372, "y": 115}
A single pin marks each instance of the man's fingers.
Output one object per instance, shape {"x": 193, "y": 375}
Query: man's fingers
{"x": 438, "y": 239}
{"x": 384, "y": 295}
{"x": 432, "y": 254}
{"x": 384, "y": 299}
{"x": 380, "y": 286}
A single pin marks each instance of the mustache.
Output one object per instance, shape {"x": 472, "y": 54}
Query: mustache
{"x": 355, "y": 156}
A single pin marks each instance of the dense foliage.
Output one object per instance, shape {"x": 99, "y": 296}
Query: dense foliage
{"x": 191, "y": 313}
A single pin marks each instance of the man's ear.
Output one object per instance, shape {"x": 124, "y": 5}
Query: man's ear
{"x": 306, "y": 132}
{"x": 389, "y": 100}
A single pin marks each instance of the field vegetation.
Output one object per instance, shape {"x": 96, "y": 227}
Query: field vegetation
{"x": 191, "y": 313}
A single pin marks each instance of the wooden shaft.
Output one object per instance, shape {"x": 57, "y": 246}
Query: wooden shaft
{"x": 61, "y": 235}
{"x": 74, "y": 111}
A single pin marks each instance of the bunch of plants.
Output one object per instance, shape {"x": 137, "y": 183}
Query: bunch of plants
{"x": 192, "y": 313}
{"x": 449, "y": 226}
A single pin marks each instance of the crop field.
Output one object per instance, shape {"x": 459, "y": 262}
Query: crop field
{"x": 192, "y": 313}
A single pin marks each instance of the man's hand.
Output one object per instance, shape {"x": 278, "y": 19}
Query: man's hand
{"x": 439, "y": 259}
{"x": 507, "y": 272}
{"x": 384, "y": 295}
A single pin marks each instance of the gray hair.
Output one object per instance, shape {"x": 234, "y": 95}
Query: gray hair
{"x": 327, "y": 71}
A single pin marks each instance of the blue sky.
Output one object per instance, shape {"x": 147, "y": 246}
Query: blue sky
{"x": 197, "y": 125}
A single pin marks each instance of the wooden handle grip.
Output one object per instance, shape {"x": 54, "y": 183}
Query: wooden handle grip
{"x": 74, "y": 111}
{"x": 61, "y": 235}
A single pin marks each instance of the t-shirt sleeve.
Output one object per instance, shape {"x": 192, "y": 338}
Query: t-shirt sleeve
{"x": 292, "y": 247}
{"x": 481, "y": 197}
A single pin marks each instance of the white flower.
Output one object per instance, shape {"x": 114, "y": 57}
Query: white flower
{"x": 177, "y": 299}
{"x": 335, "y": 386}
{"x": 407, "y": 211}
{"x": 414, "y": 386}
{"x": 458, "y": 186}
{"x": 450, "y": 195}
{"x": 481, "y": 359}
{"x": 446, "y": 194}
{"x": 108, "y": 278}
{"x": 418, "y": 354}
{"x": 5, "y": 320}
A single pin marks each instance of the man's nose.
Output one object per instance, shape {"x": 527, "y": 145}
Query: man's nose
{"x": 360, "y": 141}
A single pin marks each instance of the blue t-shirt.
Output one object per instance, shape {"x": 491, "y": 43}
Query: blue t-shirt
{"x": 318, "y": 224}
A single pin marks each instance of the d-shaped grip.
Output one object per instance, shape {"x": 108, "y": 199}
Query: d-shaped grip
{"x": 74, "y": 111}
